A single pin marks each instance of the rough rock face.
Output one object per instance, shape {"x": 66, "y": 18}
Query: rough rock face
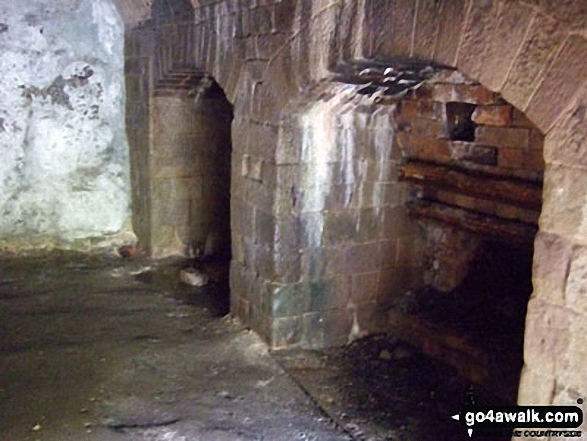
{"x": 64, "y": 161}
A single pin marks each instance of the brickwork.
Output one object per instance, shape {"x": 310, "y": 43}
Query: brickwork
{"x": 503, "y": 143}
{"x": 265, "y": 53}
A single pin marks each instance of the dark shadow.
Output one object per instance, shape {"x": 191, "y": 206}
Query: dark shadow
{"x": 164, "y": 10}
{"x": 488, "y": 310}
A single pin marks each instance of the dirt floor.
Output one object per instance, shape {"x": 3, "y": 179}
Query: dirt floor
{"x": 105, "y": 348}
{"x": 99, "y": 348}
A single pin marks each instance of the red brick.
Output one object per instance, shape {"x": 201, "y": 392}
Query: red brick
{"x": 534, "y": 160}
{"x": 511, "y": 158}
{"x": 467, "y": 202}
{"x": 519, "y": 119}
{"x": 503, "y": 137}
{"x": 507, "y": 211}
{"x": 493, "y": 115}
{"x": 410, "y": 108}
{"x": 464, "y": 93}
{"x": 431, "y": 149}
{"x": 424, "y": 127}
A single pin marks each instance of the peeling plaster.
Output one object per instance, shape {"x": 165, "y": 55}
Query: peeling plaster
{"x": 64, "y": 172}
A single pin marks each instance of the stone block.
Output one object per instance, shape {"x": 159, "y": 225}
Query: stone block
{"x": 170, "y": 212}
{"x": 362, "y": 258}
{"x": 264, "y": 228}
{"x": 572, "y": 13}
{"x": 552, "y": 257}
{"x": 391, "y": 194}
{"x": 449, "y": 33}
{"x": 510, "y": 30}
{"x": 576, "y": 287}
{"x": 388, "y": 253}
{"x": 572, "y": 372}
{"x": 370, "y": 225}
{"x": 426, "y": 29}
{"x": 503, "y": 137}
{"x": 519, "y": 119}
{"x": 288, "y": 144}
{"x": 321, "y": 263}
{"x": 341, "y": 227}
{"x": 259, "y": 194}
{"x": 478, "y": 32}
{"x": 290, "y": 300}
{"x": 388, "y": 30}
{"x": 287, "y": 253}
{"x": 567, "y": 140}
{"x": 397, "y": 223}
{"x": 283, "y": 16}
{"x": 563, "y": 200}
{"x": 537, "y": 52}
{"x": 547, "y": 337}
{"x": 286, "y": 332}
{"x": 326, "y": 329}
{"x": 537, "y": 142}
{"x": 535, "y": 389}
{"x": 392, "y": 285}
{"x": 364, "y": 287}
{"x": 563, "y": 79}
{"x": 425, "y": 128}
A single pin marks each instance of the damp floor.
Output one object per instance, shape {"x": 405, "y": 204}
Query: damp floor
{"x": 96, "y": 347}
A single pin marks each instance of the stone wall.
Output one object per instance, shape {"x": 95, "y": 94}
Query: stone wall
{"x": 266, "y": 54}
{"x": 65, "y": 156}
{"x": 329, "y": 245}
{"x": 190, "y": 171}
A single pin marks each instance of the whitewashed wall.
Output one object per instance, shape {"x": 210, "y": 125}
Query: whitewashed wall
{"x": 64, "y": 154}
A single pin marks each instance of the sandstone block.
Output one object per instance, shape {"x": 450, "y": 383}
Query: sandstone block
{"x": 565, "y": 76}
{"x": 510, "y": 30}
{"x": 449, "y": 32}
{"x": 426, "y": 30}
{"x": 576, "y": 288}
{"x": 552, "y": 257}
{"x": 478, "y": 31}
{"x": 535, "y": 389}
{"x": 563, "y": 200}
{"x": 567, "y": 139}
{"x": 537, "y": 52}
{"x": 547, "y": 337}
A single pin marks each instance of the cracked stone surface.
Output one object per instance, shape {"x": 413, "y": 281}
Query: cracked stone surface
{"x": 101, "y": 348}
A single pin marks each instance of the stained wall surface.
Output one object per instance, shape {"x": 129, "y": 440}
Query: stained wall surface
{"x": 266, "y": 54}
{"x": 64, "y": 168}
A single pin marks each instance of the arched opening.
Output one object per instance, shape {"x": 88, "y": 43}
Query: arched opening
{"x": 179, "y": 129}
{"x": 418, "y": 194}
